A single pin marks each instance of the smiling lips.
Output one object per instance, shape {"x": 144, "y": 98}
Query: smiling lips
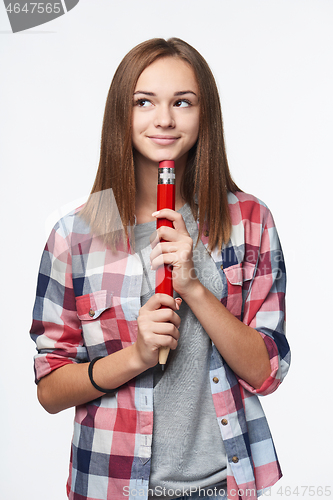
{"x": 163, "y": 140}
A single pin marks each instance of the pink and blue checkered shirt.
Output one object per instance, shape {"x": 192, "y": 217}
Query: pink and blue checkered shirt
{"x": 112, "y": 438}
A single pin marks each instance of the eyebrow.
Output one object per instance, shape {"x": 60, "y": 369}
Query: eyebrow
{"x": 182, "y": 92}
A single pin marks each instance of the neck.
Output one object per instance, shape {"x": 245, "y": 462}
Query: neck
{"x": 146, "y": 187}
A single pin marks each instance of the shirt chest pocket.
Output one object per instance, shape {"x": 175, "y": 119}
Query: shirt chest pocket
{"x": 91, "y": 306}
{"x": 239, "y": 278}
{"x": 100, "y": 328}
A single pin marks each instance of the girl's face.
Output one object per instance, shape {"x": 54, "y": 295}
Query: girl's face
{"x": 166, "y": 111}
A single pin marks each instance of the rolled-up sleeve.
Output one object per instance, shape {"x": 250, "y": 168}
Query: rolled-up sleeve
{"x": 56, "y": 328}
{"x": 264, "y": 304}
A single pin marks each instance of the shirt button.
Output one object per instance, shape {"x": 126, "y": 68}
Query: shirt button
{"x": 235, "y": 459}
{"x": 221, "y": 266}
{"x": 91, "y": 313}
{"x": 215, "y": 379}
{"x": 206, "y": 233}
{"x": 224, "y": 421}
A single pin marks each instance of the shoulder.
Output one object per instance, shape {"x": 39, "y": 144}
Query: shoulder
{"x": 251, "y": 219}
{"x": 246, "y": 208}
{"x": 69, "y": 229}
{"x": 71, "y": 222}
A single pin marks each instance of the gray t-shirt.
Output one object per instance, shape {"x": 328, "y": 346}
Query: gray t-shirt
{"x": 187, "y": 448}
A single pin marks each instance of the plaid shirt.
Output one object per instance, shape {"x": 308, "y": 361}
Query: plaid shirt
{"x": 87, "y": 303}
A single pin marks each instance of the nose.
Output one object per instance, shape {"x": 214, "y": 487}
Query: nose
{"x": 164, "y": 117}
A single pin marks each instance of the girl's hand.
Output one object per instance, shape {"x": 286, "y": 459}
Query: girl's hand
{"x": 176, "y": 250}
{"x": 157, "y": 327}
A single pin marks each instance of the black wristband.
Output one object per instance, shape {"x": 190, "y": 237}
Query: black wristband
{"x": 90, "y": 373}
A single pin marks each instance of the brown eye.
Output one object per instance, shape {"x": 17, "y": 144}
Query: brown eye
{"x": 182, "y": 103}
{"x": 142, "y": 103}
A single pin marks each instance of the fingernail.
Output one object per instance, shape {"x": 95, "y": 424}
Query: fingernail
{"x": 178, "y": 302}
{"x": 155, "y": 213}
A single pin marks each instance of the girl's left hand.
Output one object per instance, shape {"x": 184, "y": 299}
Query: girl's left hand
{"x": 176, "y": 250}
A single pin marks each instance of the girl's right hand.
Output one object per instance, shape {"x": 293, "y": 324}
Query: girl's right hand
{"x": 158, "y": 325}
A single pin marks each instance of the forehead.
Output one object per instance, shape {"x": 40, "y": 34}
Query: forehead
{"x": 168, "y": 73}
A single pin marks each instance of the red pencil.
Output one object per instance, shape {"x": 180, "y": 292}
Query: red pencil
{"x": 165, "y": 199}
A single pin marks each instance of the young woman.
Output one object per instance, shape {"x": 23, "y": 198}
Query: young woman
{"x": 196, "y": 429}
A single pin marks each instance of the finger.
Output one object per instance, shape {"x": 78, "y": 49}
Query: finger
{"x": 158, "y": 300}
{"x": 165, "y": 233}
{"x": 166, "y": 341}
{"x": 166, "y": 315}
{"x": 167, "y": 329}
{"x": 163, "y": 248}
{"x": 178, "y": 301}
{"x": 168, "y": 259}
{"x": 153, "y": 237}
{"x": 171, "y": 256}
{"x": 175, "y": 217}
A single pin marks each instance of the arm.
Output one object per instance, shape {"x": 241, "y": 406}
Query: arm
{"x": 62, "y": 361}
{"x": 247, "y": 346}
{"x": 70, "y": 385}
{"x": 241, "y": 346}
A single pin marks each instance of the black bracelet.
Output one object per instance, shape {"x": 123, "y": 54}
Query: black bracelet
{"x": 90, "y": 373}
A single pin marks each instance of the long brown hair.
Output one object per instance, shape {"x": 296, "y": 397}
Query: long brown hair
{"x": 206, "y": 179}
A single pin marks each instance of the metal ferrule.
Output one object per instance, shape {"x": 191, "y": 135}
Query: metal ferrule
{"x": 166, "y": 176}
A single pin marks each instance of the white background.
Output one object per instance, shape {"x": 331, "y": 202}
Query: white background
{"x": 273, "y": 63}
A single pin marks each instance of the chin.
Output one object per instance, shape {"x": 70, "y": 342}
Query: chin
{"x": 166, "y": 156}
{"x": 160, "y": 155}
